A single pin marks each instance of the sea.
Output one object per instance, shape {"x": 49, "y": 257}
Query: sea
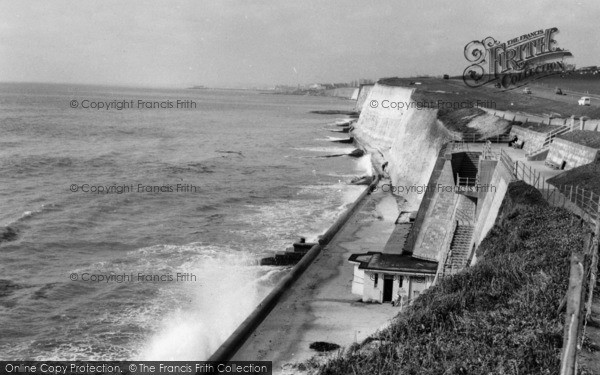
{"x": 132, "y": 231}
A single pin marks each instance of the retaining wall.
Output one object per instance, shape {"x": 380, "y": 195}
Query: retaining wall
{"x": 574, "y": 154}
{"x": 489, "y": 206}
{"x": 533, "y": 140}
{"x": 437, "y": 223}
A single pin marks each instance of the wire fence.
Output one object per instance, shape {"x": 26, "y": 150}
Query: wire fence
{"x": 583, "y": 266}
{"x": 585, "y": 203}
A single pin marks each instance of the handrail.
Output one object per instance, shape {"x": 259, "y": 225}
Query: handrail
{"x": 449, "y": 247}
{"x": 549, "y": 139}
{"x": 478, "y": 138}
{"x": 464, "y": 181}
{"x": 448, "y": 240}
{"x": 589, "y": 204}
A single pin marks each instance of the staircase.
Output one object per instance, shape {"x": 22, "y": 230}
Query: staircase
{"x": 468, "y": 169}
{"x": 460, "y": 249}
{"x": 536, "y": 154}
{"x": 465, "y": 212}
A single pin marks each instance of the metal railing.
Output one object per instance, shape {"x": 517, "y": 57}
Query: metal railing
{"x": 507, "y": 162}
{"x": 583, "y": 265}
{"x": 478, "y": 138}
{"x": 549, "y": 139}
{"x": 466, "y": 181}
{"x": 582, "y": 202}
{"x": 448, "y": 247}
{"x": 469, "y": 138}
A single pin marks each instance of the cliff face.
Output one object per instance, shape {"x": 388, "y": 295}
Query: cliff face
{"x": 409, "y": 139}
{"x": 363, "y": 92}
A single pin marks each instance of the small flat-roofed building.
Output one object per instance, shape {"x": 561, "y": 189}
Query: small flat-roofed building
{"x": 381, "y": 277}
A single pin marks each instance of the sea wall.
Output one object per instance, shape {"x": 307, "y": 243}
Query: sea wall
{"x": 572, "y": 154}
{"x": 409, "y": 140}
{"x": 235, "y": 341}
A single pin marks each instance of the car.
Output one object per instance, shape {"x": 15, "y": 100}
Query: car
{"x": 526, "y": 90}
{"x": 585, "y": 100}
{"x": 558, "y": 91}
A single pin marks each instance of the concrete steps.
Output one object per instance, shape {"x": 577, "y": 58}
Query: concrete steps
{"x": 460, "y": 249}
{"x": 465, "y": 212}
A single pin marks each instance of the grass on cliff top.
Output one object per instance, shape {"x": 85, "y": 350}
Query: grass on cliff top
{"x": 587, "y": 138}
{"x": 497, "y": 317}
{"x": 453, "y": 92}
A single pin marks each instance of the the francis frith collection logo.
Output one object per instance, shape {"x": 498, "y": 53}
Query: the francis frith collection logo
{"x": 515, "y": 62}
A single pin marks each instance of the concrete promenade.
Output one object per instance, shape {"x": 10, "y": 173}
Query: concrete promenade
{"x": 320, "y": 306}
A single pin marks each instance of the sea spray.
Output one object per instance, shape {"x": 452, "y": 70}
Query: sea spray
{"x": 364, "y": 165}
{"x": 205, "y": 315}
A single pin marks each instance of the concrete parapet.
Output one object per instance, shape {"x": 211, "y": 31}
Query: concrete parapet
{"x": 532, "y": 140}
{"x": 438, "y": 217}
{"x": 489, "y": 206}
{"x": 570, "y": 155}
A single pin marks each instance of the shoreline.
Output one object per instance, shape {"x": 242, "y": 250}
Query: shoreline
{"x": 320, "y": 306}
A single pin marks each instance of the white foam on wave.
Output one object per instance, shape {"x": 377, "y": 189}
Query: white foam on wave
{"x": 208, "y": 310}
{"x": 201, "y": 315}
{"x": 341, "y": 149}
{"x": 364, "y": 165}
{"x": 309, "y": 218}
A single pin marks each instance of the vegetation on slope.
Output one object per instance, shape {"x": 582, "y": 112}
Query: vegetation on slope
{"x": 586, "y": 177}
{"x": 497, "y": 317}
{"x": 457, "y": 119}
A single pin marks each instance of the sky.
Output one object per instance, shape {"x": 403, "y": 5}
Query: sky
{"x": 252, "y": 43}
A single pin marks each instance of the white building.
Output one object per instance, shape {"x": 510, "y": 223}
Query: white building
{"x": 382, "y": 277}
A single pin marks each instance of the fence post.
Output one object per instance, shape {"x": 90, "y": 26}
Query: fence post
{"x": 571, "y": 194}
{"x": 568, "y": 362}
{"x": 595, "y": 249}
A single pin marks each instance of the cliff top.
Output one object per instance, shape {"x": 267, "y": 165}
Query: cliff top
{"x": 586, "y": 177}
{"x": 583, "y": 137}
{"x": 452, "y": 93}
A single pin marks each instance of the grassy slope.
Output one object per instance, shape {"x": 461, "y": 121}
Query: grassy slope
{"x": 456, "y": 92}
{"x": 458, "y": 119}
{"x": 574, "y": 82}
{"x": 586, "y": 177}
{"x": 498, "y": 317}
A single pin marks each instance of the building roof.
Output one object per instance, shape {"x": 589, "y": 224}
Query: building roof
{"x": 398, "y": 263}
